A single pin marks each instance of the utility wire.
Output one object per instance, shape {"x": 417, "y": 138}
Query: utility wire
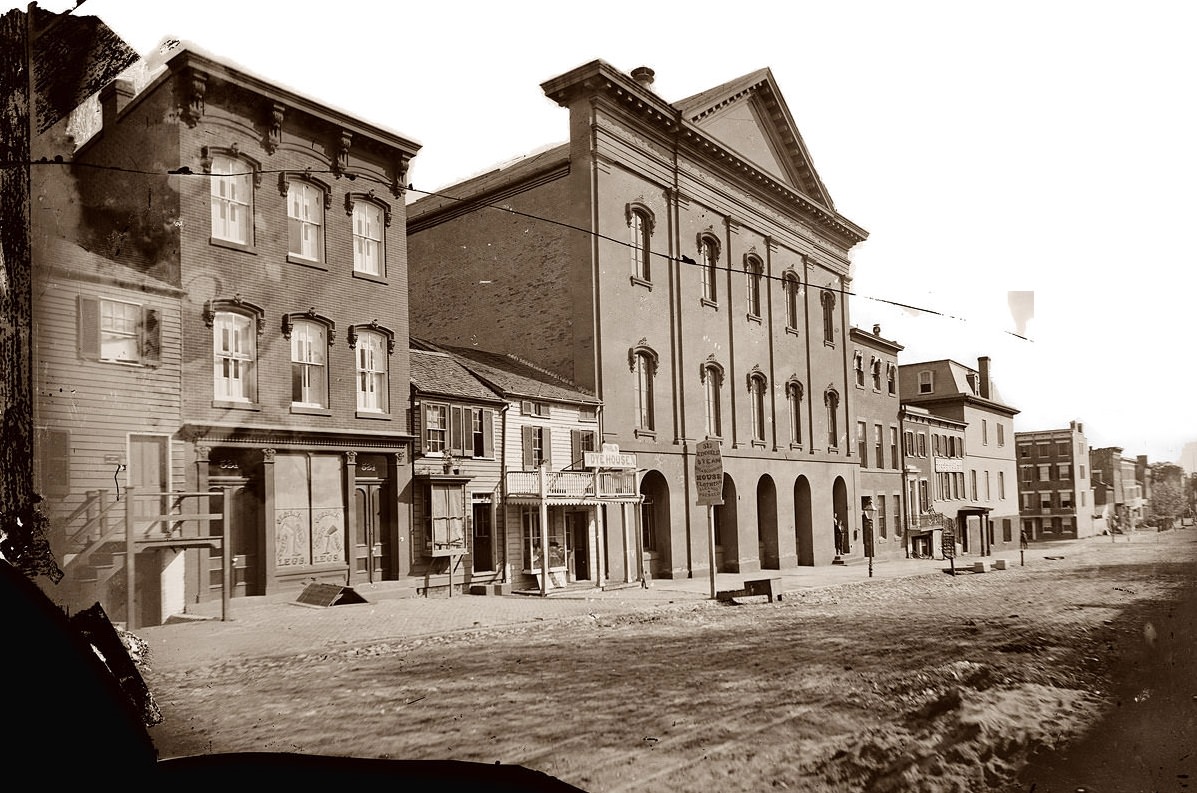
{"x": 683, "y": 259}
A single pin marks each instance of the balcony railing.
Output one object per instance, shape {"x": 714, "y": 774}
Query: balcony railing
{"x": 573, "y": 485}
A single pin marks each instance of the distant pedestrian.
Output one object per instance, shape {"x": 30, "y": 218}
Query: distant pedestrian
{"x": 839, "y": 537}
{"x": 1022, "y": 539}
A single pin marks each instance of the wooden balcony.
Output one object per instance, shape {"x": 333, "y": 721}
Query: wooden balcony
{"x": 571, "y": 487}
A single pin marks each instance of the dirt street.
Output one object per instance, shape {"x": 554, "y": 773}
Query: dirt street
{"x": 998, "y": 681}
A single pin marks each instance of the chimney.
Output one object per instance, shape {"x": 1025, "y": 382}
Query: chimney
{"x": 983, "y": 370}
{"x": 114, "y": 97}
{"x": 644, "y": 76}
{"x": 876, "y": 330}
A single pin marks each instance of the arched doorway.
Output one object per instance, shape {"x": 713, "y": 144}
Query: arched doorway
{"x": 766, "y": 523}
{"x": 727, "y": 540}
{"x": 654, "y": 523}
{"x": 843, "y": 519}
{"x": 803, "y": 525}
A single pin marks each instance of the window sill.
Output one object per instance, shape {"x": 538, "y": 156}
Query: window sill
{"x": 827, "y": 343}
{"x": 367, "y": 414}
{"x": 308, "y": 411}
{"x": 753, "y": 317}
{"x": 796, "y": 446}
{"x": 644, "y": 433}
{"x": 757, "y": 444}
{"x": 231, "y": 405}
{"x": 706, "y": 301}
{"x": 236, "y": 246}
{"x": 315, "y": 264}
{"x": 371, "y": 277}
{"x": 792, "y": 331}
{"x": 638, "y": 281}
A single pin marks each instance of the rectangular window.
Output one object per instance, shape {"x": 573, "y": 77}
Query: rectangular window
{"x": 1082, "y": 472}
{"x": 714, "y": 425}
{"x": 531, "y": 408}
{"x": 988, "y": 496}
{"x": 925, "y": 384}
{"x": 1082, "y": 498}
{"x": 444, "y": 518}
{"x": 115, "y": 331}
{"x": 894, "y": 462}
{"x": 309, "y": 384}
{"x": 368, "y": 238}
{"x": 233, "y": 354}
{"x": 309, "y": 510}
{"x": 232, "y": 200}
{"x": 862, "y": 443}
{"x": 972, "y": 481}
{"x": 922, "y": 444}
{"x": 1045, "y": 500}
{"x": 1002, "y": 485}
{"x": 1027, "y": 500}
{"x": 372, "y": 373}
{"x": 482, "y": 431}
{"x": 1045, "y": 472}
{"x": 878, "y": 446}
{"x": 1065, "y": 499}
{"x": 436, "y": 428}
{"x": 1001, "y": 434}
{"x": 1065, "y": 471}
{"x": 305, "y": 219}
{"x": 536, "y": 447}
{"x": 645, "y": 419}
{"x": 984, "y": 432}
{"x": 582, "y": 441}
{"x": 1024, "y": 450}
{"x": 908, "y": 443}
{"x": 924, "y": 500}
{"x": 530, "y": 522}
{"x": 881, "y": 523}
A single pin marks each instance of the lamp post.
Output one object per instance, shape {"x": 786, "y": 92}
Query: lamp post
{"x": 869, "y": 511}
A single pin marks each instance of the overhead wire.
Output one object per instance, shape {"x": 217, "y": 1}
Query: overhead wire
{"x": 482, "y": 204}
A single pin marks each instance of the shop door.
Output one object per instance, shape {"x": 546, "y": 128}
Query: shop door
{"x": 579, "y": 544}
{"x": 371, "y": 545}
{"x": 243, "y": 527}
{"x": 483, "y": 550}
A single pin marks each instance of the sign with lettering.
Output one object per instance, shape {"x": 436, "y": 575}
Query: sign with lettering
{"x": 949, "y": 544}
{"x": 609, "y": 457}
{"x": 708, "y": 473}
{"x": 953, "y": 465}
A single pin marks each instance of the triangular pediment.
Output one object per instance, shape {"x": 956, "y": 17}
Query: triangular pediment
{"x": 749, "y": 116}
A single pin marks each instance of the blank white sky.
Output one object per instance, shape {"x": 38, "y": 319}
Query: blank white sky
{"x": 1037, "y": 146}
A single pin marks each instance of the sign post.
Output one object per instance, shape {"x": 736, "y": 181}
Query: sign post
{"x": 708, "y": 478}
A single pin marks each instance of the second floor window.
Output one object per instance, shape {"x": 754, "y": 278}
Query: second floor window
{"x": 893, "y": 448}
{"x": 709, "y": 253}
{"x": 305, "y": 220}
{"x": 233, "y": 354}
{"x": 793, "y": 295}
{"x": 436, "y": 428}
{"x": 232, "y": 200}
{"x": 536, "y": 447}
{"x": 832, "y": 400}
{"x": 644, "y": 370}
{"x": 640, "y": 228}
{"x": 368, "y": 238}
{"x": 754, "y": 271}
{"x": 756, "y": 390}
{"x": 371, "y": 357}
{"x": 309, "y": 349}
{"x": 862, "y": 443}
{"x": 878, "y": 445}
{"x": 794, "y": 398}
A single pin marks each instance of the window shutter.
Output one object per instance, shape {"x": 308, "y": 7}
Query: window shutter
{"x": 526, "y": 433}
{"x": 547, "y": 440}
{"x": 575, "y": 444}
{"x": 89, "y": 328}
{"x": 467, "y": 432}
{"x": 55, "y": 463}
{"x": 488, "y": 433}
{"x": 151, "y": 337}
{"x": 455, "y": 415}
{"x": 421, "y": 429}
{"x": 526, "y": 407}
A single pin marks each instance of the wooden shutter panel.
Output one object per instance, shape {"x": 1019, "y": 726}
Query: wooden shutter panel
{"x": 455, "y": 429}
{"x": 526, "y": 407}
{"x": 575, "y": 444}
{"x": 547, "y": 440}
{"x": 526, "y": 433}
{"x": 151, "y": 337}
{"x": 89, "y": 328}
{"x": 421, "y": 430}
{"x": 55, "y": 463}
{"x": 467, "y": 432}
{"x": 488, "y": 433}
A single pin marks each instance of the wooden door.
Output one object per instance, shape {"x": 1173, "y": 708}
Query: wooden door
{"x": 371, "y": 541}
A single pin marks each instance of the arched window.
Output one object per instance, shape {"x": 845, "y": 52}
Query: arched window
{"x": 708, "y": 251}
{"x": 640, "y": 228}
{"x": 891, "y": 379}
{"x": 643, "y": 363}
{"x": 711, "y": 375}
{"x": 310, "y": 336}
{"x": 232, "y": 186}
{"x": 875, "y": 364}
{"x": 371, "y": 218}
{"x": 372, "y": 345}
{"x": 235, "y": 326}
{"x": 832, "y": 400}
{"x": 757, "y": 385}
{"x": 794, "y": 404}
{"x": 827, "y": 300}
{"x": 307, "y": 198}
{"x": 754, "y": 271}
{"x": 793, "y": 293}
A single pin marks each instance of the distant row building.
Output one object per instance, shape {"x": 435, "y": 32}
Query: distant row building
{"x": 259, "y": 365}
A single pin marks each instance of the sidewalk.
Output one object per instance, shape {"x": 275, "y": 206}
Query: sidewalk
{"x": 270, "y": 626}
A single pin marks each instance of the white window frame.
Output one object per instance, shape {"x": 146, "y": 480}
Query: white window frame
{"x": 309, "y": 357}
{"x": 232, "y": 200}
{"x": 305, "y": 220}
{"x": 371, "y": 360}
{"x": 234, "y": 357}
{"x": 120, "y": 331}
{"x": 369, "y": 239}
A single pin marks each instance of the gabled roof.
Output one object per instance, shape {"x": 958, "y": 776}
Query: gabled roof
{"x": 513, "y": 377}
{"x": 443, "y": 375}
{"x": 749, "y": 115}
